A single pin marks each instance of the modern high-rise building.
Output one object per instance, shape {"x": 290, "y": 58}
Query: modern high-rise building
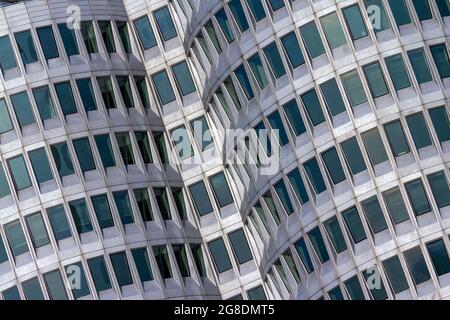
{"x": 134, "y": 162}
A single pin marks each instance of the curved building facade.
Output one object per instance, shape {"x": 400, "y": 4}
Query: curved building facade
{"x": 134, "y": 162}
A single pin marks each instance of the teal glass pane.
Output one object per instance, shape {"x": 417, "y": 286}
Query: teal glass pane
{"x": 107, "y": 35}
{"x": 375, "y": 79}
{"x": 55, "y": 285}
{"x": 221, "y": 190}
{"x": 182, "y": 142}
{"x": 333, "y": 97}
{"x": 220, "y": 255}
{"x": 439, "y": 257}
{"x": 84, "y": 154}
{"x": 397, "y": 71}
{"x": 242, "y": 77}
{"x": 274, "y": 60}
{"x": 161, "y": 146}
{"x": 264, "y": 138}
{"x": 333, "y": 30}
{"x": 145, "y": 32}
{"x": 88, "y": 33}
{"x": 283, "y": 195}
{"x": 16, "y": 238}
{"x": 336, "y": 294}
{"x": 258, "y": 70}
{"x": 440, "y": 57}
{"x": 354, "y": 224}
{"x": 183, "y": 78}
{"x": 119, "y": 262}
{"x": 69, "y": 39}
{"x": 202, "y": 133}
{"x": 256, "y": 294}
{"x": 165, "y": 23}
{"x": 125, "y": 91}
{"x": 58, "y": 221}
{"x": 400, "y": 12}
{"x": 11, "y": 294}
{"x": 87, "y": 94}
{"x": 420, "y": 65}
{"x": 102, "y": 211}
{"x": 62, "y": 159}
{"x": 97, "y": 267}
{"x": 441, "y": 123}
{"x": 3, "y": 254}
{"x": 315, "y": 176}
{"x": 123, "y": 204}
{"x": 355, "y": 22}
{"x": 292, "y": 50}
{"x": 107, "y": 92}
{"x": 26, "y": 47}
{"x": 257, "y": 9}
{"x": 232, "y": 92}
{"x": 378, "y": 293}
{"x": 335, "y": 234}
{"x": 439, "y": 186}
{"x": 374, "y": 147}
{"x": 240, "y": 246}
{"x": 318, "y": 244}
{"x": 5, "y": 120}
{"x": 238, "y": 14}
{"x": 297, "y": 184}
{"x": 22, "y": 108}
{"x": 19, "y": 173}
{"x": 312, "y": 40}
{"x": 41, "y": 167}
{"x": 44, "y": 103}
{"x": 353, "y": 156}
{"x": 312, "y": 105}
{"x": 83, "y": 289}
{"x": 374, "y": 214}
{"x": 144, "y": 146}
{"x": 143, "y": 203}
{"x": 225, "y": 25}
{"x": 163, "y": 87}
{"x": 276, "y": 4}
{"x": 180, "y": 203}
{"x": 48, "y": 43}
{"x": 353, "y": 88}
{"x": 378, "y": 17}
{"x": 333, "y": 164}
{"x": 417, "y": 265}
{"x": 419, "y": 130}
{"x": 443, "y": 7}
{"x": 422, "y": 9}
{"x": 213, "y": 36}
{"x": 7, "y": 57}
{"x": 4, "y": 187}
{"x": 300, "y": 247}
{"x": 179, "y": 252}
{"x": 37, "y": 230}
{"x": 287, "y": 255}
{"x": 271, "y": 206}
{"x": 418, "y": 197}
{"x": 141, "y": 86}
{"x": 294, "y": 117}
{"x": 354, "y": 288}
{"x": 80, "y": 215}
{"x": 162, "y": 259}
{"x": 125, "y": 147}
{"x": 142, "y": 262}
{"x": 163, "y": 202}
{"x": 65, "y": 98}
{"x": 124, "y": 36}
{"x": 277, "y": 124}
{"x": 104, "y": 147}
{"x": 397, "y": 139}
{"x": 32, "y": 289}
{"x": 395, "y": 205}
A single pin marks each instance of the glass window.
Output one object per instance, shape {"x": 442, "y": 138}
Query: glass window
{"x": 180, "y": 203}
{"x": 228, "y": 83}
{"x": 102, "y": 211}
{"x": 354, "y": 288}
{"x": 257, "y": 9}
{"x": 162, "y": 259}
{"x": 11, "y": 294}
{"x": 44, "y": 102}
{"x": 84, "y": 154}
{"x": 141, "y": 85}
{"x": 294, "y": 117}
{"x": 5, "y": 120}
{"x": 80, "y": 215}
{"x": 107, "y": 92}
{"x": 312, "y": 40}
{"x": 181, "y": 259}
{"x": 41, "y": 167}
{"x": 297, "y": 184}
{"x": 419, "y": 130}
{"x": 439, "y": 257}
{"x": 441, "y": 123}
{"x": 292, "y": 50}
{"x": 332, "y": 97}
{"x": 83, "y": 289}
{"x": 274, "y": 60}
{"x": 62, "y": 158}
{"x": 277, "y": 124}
{"x": 123, "y": 205}
{"x": 55, "y": 285}
{"x": 48, "y": 43}
{"x": 26, "y": 47}
{"x": 318, "y": 244}
{"x": 257, "y": 293}
{"x": 202, "y": 43}
{"x": 125, "y": 147}
{"x": 4, "y": 187}
{"x": 395, "y": 205}
{"x": 69, "y": 39}
{"x": 333, "y": 164}
{"x": 276, "y": 4}
{"x": 107, "y": 35}
{"x": 312, "y": 105}
{"x": 315, "y": 176}
{"x": 143, "y": 266}
{"x": 397, "y": 140}
{"x": 439, "y": 187}
{"x": 444, "y": 7}
{"x": 335, "y": 234}
{"x": 144, "y": 203}
{"x": 258, "y": 70}
{"x": 441, "y": 60}
{"x": 99, "y": 272}
{"x": 182, "y": 142}
{"x": 353, "y": 88}
{"x": 378, "y": 293}
{"x": 300, "y": 247}
{"x": 336, "y": 294}
{"x": 58, "y": 221}
{"x": 183, "y": 78}
{"x": 144, "y": 146}
{"x": 105, "y": 149}
{"x": 380, "y": 22}
{"x": 271, "y": 206}
{"x": 221, "y": 190}
{"x": 287, "y": 255}
{"x": 374, "y": 214}
{"x": 375, "y": 79}
{"x": 7, "y": 57}
{"x": 213, "y": 36}
{"x": 420, "y": 65}
{"x": 87, "y": 94}
{"x": 374, "y": 147}
{"x": 240, "y": 246}
{"x": 65, "y": 98}
{"x": 32, "y": 289}
{"x": 417, "y": 265}
{"x": 283, "y": 195}
{"x": 355, "y": 22}
{"x": 224, "y": 24}
{"x": 422, "y": 9}
{"x": 145, "y": 32}
{"x": 333, "y": 30}
{"x": 125, "y": 91}
{"x": 37, "y": 230}
{"x": 417, "y": 197}
{"x": 161, "y": 146}
{"x": 280, "y": 270}
{"x": 163, "y": 202}
{"x": 22, "y": 108}
{"x": 354, "y": 224}
{"x": 16, "y": 238}
{"x": 397, "y": 71}
{"x": 121, "y": 269}
{"x": 353, "y": 156}
{"x": 122, "y": 27}
{"x": 238, "y": 14}
{"x": 244, "y": 81}
{"x": 220, "y": 255}
{"x": 165, "y": 23}
{"x": 163, "y": 87}
{"x": 19, "y": 173}
{"x": 3, "y": 254}
{"x": 88, "y": 33}
{"x": 400, "y": 12}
